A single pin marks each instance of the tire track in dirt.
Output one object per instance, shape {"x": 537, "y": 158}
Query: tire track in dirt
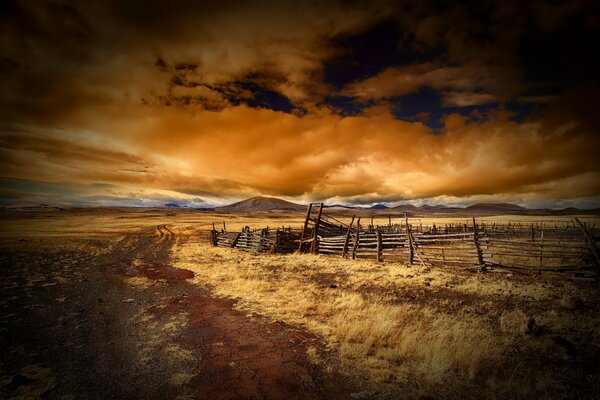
{"x": 144, "y": 246}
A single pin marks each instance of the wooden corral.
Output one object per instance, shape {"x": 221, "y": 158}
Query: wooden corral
{"x": 497, "y": 247}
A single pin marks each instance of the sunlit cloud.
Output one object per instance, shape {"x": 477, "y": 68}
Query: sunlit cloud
{"x": 207, "y": 104}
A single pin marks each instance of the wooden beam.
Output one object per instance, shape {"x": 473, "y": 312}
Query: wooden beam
{"x": 378, "y": 235}
{"x": 213, "y": 235}
{"x": 345, "y": 250}
{"x": 304, "y": 227}
{"x": 356, "y": 239}
{"x": 313, "y": 246}
{"x": 541, "y": 250}
{"x": 410, "y": 241}
{"x": 476, "y": 241}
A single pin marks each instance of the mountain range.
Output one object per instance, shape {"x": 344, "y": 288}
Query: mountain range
{"x": 260, "y": 203}
{"x": 272, "y": 204}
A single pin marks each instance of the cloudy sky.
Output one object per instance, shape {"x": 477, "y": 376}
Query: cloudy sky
{"x": 133, "y": 103}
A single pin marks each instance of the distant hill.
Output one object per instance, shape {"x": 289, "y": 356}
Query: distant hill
{"x": 404, "y": 207}
{"x": 172, "y": 205}
{"x": 379, "y": 207}
{"x": 503, "y": 207}
{"x": 437, "y": 207}
{"x": 260, "y": 203}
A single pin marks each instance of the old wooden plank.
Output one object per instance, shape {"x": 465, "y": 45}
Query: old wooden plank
{"x": 313, "y": 245}
{"x": 356, "y": 239}
{"x": 300, "y": 242}
{"x": 347, "y": 238}
{"x": 476, "y": 241}
{"x": 378, "y": 233}
{"x": 411, "y": 243}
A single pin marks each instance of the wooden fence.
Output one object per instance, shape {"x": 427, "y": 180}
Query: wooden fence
{"x": 281, "y": 240}
{"x": 498, "y": 247}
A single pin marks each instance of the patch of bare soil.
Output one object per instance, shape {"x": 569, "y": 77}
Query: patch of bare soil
{"x": 154, "y": 271}
{"x": 240, "y": 356}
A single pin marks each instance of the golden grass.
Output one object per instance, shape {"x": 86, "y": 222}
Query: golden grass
{"x": 391, "y": 342}
{"x": 416, "y": 347}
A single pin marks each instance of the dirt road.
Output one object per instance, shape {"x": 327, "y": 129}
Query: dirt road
{"x": 109, "y": 318}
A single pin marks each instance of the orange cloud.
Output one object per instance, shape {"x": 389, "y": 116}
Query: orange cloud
{"x": 85, "y": 91}
{"x": 241, "y": 150}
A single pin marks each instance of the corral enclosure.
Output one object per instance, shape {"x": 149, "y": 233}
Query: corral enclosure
{"x": 567, "y": 245}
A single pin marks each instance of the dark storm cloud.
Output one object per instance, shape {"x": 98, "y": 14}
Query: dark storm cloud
{"x": 385, "y": 100}
{"x": 476, "y": 52}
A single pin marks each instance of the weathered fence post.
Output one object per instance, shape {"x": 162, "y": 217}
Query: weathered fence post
{"x": 356, "y": 239}
{"x": 541, "y": 251}
{"x": 313, "y": 245}
{"x": 477, "y": 246}
{"x": 304, "y": 228}
{"x": 411, "y": 244}
{"x": 213, "y": 235}
{"x": 378, "y": 236}
{"x": 345, "y": 249}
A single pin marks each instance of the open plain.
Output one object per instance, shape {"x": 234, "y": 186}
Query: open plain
{"x": 136, "y": 303}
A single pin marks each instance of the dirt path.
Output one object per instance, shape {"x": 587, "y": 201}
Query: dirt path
{"x": 74, "y": 325}
{"x": 245, "y": 357}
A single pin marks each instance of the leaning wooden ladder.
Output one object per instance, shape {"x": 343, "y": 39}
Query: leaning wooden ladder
{"x": 311, "y": 221}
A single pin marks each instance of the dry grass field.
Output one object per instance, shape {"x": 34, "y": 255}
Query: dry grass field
{"x": 137, "y": 304}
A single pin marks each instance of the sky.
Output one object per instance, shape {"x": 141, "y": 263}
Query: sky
{"x": 203, "y": 103}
